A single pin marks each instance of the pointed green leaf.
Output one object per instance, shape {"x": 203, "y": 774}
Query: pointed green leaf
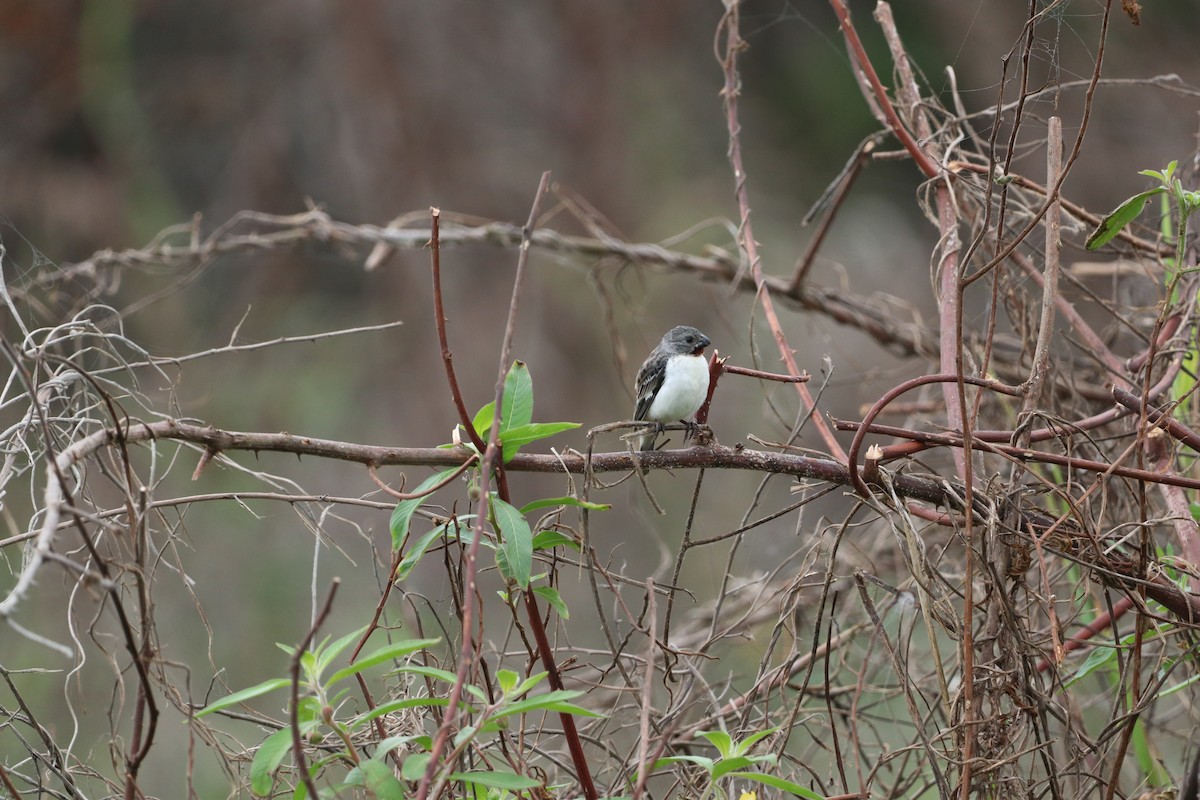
{"x": 549, "y": 502}
{"x": 1095, "y": 660}
{"x": 550, "y": 701}
{"x": 483, "y": 420}
{"x": 507, "y": 680}
{"x": 387, "y": 653}
{"x": 269, "y": 756}
{"x": 551, "y": 596}
{"x": 402, "y": 514}
{"x": 529, "y": 683}
{"x": 308, "y": 665}
{"x": 515, "y": 556}
{"x": 514, "y": 438}
{"x": 778, "y": 783}
{"x": 720, "y": 740}
{"x": 445, "y": 676}
{"x": 1181, "y": 685}
{"x": 414, "y": 554}
{"x": 496, "y": 780}
{"x": 400, "y": 705}
{"x": 743, "y": 747}
{"x": 1121, "y": 216}
{"x": 389, "y": 744}
{"x": 327, "y": 654}
{"x": 735, "y": 763}
{"x": 517, "y": 406}
{"x": 545, "y": 540}
{"x": 1164, "y": 176}
{"x": 244, "y": 695}
{"x": 701, "y": 761}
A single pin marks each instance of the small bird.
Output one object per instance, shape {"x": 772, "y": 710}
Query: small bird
{"x": 673, "y": 380}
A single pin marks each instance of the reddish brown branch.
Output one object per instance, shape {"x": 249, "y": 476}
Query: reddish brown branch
{"x": 1158, "y": 418}
{"x": 734, "y": 44}
{"x": 439, "y": 320}
{"x": 767, "y": 376}
{"x": 925, "y": 438}
{"x": 898, "y": 129}
{"x": 294, "y": 706}
{"x": 859, "y": 485}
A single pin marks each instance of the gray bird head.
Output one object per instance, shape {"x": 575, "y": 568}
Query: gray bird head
{"x": 684, "y": 340}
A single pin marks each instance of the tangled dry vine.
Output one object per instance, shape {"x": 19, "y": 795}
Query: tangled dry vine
{"x": 985, "y": 584}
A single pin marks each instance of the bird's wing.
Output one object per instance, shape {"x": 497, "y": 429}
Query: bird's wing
{"x": 649, "y": 380}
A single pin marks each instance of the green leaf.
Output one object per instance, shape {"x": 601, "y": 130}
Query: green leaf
{"x": 514, "y": 438}
{"x": 244, "y": 695}
{"x": 517, "y": 405}
{"x": 308, "y": 711}
{"x": 267, "y": 759}
{"x": 720, "y": 740}
{"x": 414, "y": 554}
{"x": 483, "y": 420}
{"x": 399, "y": 705}
{"x": 735, "y": 763}
{"x": 507, "y": 680}
{"x": 743, "y": 747}
{"x": 1096, "y": 659}
{"x": 413, "y": 768}
{"x": 529, "y": 683}
{"x": 402, "y": 514}
{"x": 465, "y": 734}
{"x": 1181, "y": 685}
{"x": 707, "y": 763}
{"x": 389, "y": 744}
{"x": 380, "y": 781}
{"x": 496, "y": 780}
{"x": 327, "y": 654}
{"x": 377, "y": 777}
{"x": 308, "y": 664}
{"x": 1121, "y": 216}
{"x": 550, "y": 701}
{"x": 515, "y": 556}
{"x": 778, "y": 783}
{"x": 1164, "y": 176}
{"x": 564, "y": 501}
{"x": 387, "y": 653}
{"x": 443, "y": 675}
{"x": 545, "y": 540}
{"x": 551, "y": 596}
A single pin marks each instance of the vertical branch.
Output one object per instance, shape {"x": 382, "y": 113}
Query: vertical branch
{"x": 643, "y": 771}
{"x": 294, "y": 709}
{"x": 1041, "y": 353}
{"x": 439, "y": 321}
{"x": 728, "y": 59}
{"x": 491, "y": 463}
{"x": 951, "y": 360}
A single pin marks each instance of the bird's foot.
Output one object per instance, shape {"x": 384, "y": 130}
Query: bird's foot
{"x": 701, "y": 433}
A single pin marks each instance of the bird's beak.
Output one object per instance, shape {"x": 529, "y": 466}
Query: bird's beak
{"x": 704, "y": 342}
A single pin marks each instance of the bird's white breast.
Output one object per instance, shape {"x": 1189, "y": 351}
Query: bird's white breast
{"x": 683, "y": 389}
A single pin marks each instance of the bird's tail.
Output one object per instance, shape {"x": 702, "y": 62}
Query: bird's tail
{"x": 648, "y": 440}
